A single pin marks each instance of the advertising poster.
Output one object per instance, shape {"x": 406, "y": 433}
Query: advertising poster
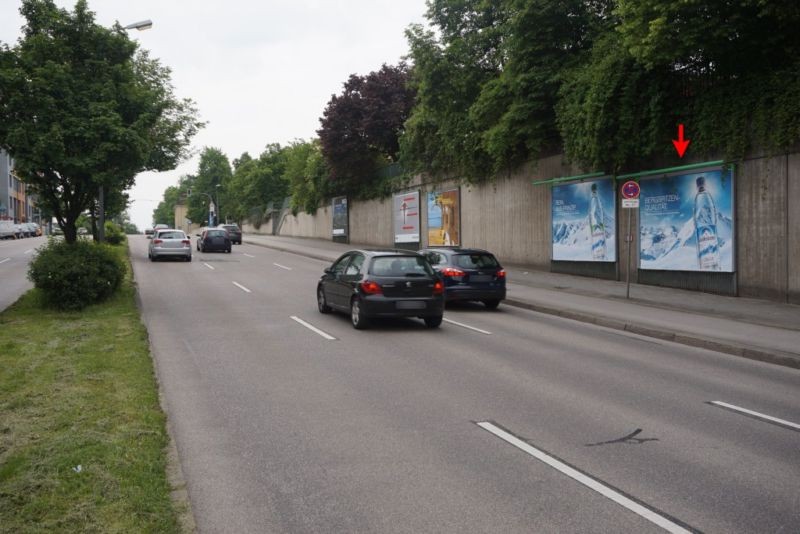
{"x": 340, "y": 216}
{"x": 583, "y": 221}
{"x": 686, "y": 222}
{"x": 444, "y": 218}
{"x": 406, "y": 217}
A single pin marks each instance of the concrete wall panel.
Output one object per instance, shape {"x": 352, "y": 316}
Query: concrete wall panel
{"x": 761, "y": 244}
{"x": 793, "y": 224}
{"x": 371, "y": 222}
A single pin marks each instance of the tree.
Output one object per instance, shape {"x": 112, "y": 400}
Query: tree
{"x": 165, "y": 211}
{"x": 360, "y": 128}
{"x": 214, "y": 169}
{"x": 81, "y": 107}
{"x": 307, "y": 174}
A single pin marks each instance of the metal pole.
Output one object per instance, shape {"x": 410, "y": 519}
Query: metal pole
{"x": 101, "y": 216}
{"x": 629, "y": 240}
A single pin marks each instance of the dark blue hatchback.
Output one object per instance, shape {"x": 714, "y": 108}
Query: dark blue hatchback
{"x": 469, "y": 274}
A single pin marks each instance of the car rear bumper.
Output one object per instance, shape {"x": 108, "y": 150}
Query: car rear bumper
{"x": 171, "y": 252}
{"x": 381, "y": 306}
{"x": 453, "y": 293}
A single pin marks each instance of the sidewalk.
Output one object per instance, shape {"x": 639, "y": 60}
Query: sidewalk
{"x": 751, "y": 328}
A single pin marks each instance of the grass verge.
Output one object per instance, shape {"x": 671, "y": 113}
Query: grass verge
{"x": 82, "y": 435}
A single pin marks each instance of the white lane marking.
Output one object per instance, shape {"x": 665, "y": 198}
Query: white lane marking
{"x": 282, "y": 266}
{"x": 468, "y": 327}
{"x": 248, "y": 255}
{"x": 312, "y": 328}
{"x": 28, "y": 251}
{"x": 587, "y": 481}
{"x": 209, "y": 266}
{"x": 757, "y": 414}
{"x": 5, "y": 260}
{"x": 240, "y": 286}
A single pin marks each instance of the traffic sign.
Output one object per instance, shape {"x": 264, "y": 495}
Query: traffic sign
{"x": 630, "y": 189}
{"x": 630, "y": 202}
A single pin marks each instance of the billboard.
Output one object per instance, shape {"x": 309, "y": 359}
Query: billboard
{"x": 444, "y": 218}
{"x": 686, "y": 222}
{"x": 583, "y": 221}
{"x": 340, "y": 216}
{"x": 406, "y": 217}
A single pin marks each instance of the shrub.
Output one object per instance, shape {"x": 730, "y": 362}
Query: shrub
{"x": 73, "y": 276}
{"x": 114, "y": 234}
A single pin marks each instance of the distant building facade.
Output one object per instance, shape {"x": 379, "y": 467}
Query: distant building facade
{"x": 15, "y": 202}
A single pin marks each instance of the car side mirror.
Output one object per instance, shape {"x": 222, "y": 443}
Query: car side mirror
{"x": 328, "y": 270}
{"x": 198, "y": 235}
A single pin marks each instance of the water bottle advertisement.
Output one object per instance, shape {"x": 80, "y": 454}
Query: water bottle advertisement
{"x": 687, "y": 222}
{"x": 583, "y": 221}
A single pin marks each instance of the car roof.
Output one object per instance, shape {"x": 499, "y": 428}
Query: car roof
{"x": 457, "y": 250}
{"x": 383, "y": 252}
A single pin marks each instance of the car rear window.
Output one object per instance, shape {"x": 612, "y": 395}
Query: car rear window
{"x": 171, "y": 235}
{"x": 217, "y": 233}
{"x": 231, "y": 227}
{"x": 400, "y": 266}
{"x": 475, "y": 261}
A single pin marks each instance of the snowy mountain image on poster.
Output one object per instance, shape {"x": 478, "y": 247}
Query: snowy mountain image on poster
{"x": 573, "y": 238}
{"x": 668, "y": 240}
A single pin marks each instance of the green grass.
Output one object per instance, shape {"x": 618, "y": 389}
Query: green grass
{"x": 78, "y": 389}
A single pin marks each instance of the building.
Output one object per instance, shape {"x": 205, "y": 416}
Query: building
{"x": 15, "y": 202}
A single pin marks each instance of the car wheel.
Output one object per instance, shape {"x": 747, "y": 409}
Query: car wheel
{"x": 188, "y": 258}
{"x": 491, "y": 304}
{"x": 357, "y": 316}
{"x": 433, "y": 322}
{"x": 229, "y": 250}
{"x": 322, "y": 304}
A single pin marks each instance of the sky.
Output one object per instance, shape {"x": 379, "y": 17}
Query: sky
{"x": 260, "y": 71}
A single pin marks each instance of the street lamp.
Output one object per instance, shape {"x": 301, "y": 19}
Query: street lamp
{"x": 210, "y": 207}
{"x": 101, "y": 199}
{"x": 219, "y": 208}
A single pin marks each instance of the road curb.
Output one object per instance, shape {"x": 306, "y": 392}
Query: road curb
{"x": 745, "y": 351}
{"x": 752, "y": 353}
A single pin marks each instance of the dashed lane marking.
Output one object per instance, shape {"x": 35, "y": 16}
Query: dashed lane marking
{"x": 248, "y": 255}
{"x": 282, "y": 266}
{"x": 5, "y": 260}
{"x": 757, "y": 415}
{"x": 240, "y": 286}
{"x": 468, "y": 327}
{"x": 670, "y": 525}
{"x": 312, "y": 328}
{"x": 209, "y": 266}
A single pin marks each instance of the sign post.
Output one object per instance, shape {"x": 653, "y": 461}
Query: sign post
{"x": 630, "y": 201}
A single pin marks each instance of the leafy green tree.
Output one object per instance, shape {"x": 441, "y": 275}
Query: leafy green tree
{"x": 213, "y": 170}
{"x": 165, "y": 211}
{"x": 307, "y": 174}
{"x": 81, "y": 107}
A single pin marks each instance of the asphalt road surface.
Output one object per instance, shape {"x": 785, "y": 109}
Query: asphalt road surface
{"x": 14, "y": 258}
{"x": 506, "y": 421}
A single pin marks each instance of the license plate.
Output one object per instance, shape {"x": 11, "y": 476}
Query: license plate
{"x": 481, "y": 278}
{"x": 410, "y": 305}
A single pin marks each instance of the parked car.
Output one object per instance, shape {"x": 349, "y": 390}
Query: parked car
{"x": 8, "y": 230}
{"x": 169, "y": 243}
{"x": 234, "y": 231}
{"x": 469, "y": 274}
{"x": 148, "y": 233}
{"x": 382, "y": 283}
{"x": 210, "y": 239}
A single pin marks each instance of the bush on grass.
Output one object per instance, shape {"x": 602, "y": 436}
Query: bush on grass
{"x": 114, "y": 234}
{"x": 73, "y": 276}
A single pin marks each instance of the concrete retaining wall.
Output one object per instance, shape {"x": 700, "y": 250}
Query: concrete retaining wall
{"x": 511, "y": 217}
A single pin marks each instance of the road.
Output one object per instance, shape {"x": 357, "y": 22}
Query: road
{"x": 14, "y": 258}
{"x": 506, "y": 421}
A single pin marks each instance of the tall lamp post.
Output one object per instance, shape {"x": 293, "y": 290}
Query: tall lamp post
{"x": 101, "y": 195}
{"x": 219, "y": 208}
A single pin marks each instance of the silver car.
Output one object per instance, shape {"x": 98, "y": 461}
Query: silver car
{"x": 169, "y": 243}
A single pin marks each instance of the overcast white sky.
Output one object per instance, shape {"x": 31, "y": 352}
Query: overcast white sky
{"x": 260, "y": 71}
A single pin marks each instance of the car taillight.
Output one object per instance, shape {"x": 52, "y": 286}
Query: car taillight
{"x": 371, "y": 288}
{"x": 157, "y": 241}
{"x": 186, "y": 242}
{"x": 438, "y": 287}
{"x": 452, "y": 272}
{"x": 501, "y": 273}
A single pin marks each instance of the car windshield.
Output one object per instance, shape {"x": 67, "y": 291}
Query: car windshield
{"x": 475, "y": 261}
{"x": 171, "y": 235}
{"x": 401, "y": 266}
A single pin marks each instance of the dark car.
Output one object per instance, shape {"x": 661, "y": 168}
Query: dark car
{"x": 234, "y": 231}
{"x": 469, "y": 274}
{"x": 212, "y": 239}
{"x": 382, "y": 283}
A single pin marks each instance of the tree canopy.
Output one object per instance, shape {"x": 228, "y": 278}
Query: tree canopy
{"x": 81, "y": 106}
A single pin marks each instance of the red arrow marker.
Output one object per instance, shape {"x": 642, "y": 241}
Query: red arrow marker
{"x": 680, "y": 144}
